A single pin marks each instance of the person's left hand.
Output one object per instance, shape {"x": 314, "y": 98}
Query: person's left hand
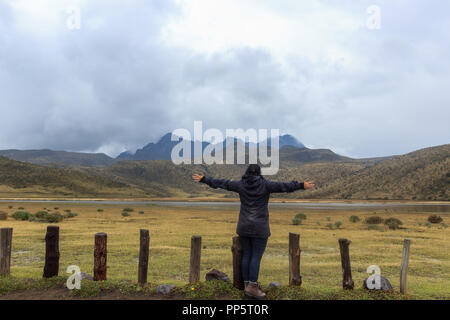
{"x": 198, "y": 177}
{"x": 308, "y": 184}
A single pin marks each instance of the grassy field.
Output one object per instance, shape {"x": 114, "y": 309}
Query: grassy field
{"x": 171, "y": 228}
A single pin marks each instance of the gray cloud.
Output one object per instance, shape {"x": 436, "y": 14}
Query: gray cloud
{"x": 113, "y": 84}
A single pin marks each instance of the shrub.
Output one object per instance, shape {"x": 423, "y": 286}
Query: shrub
{"x": 300, "y": 216}
{"x": 354, "y": 219}
{"x": 296, "y": 221}
{"x": 3, "y": 215}
{"x": 434, "y": 219}
{"x": 128, "y": 210}
{"x": 21, "y": 215}
{"x": 10, "y": 207}
{"x": 99, "y": 210}
{"x": 41, "y": 215}
{"x": 374, "y": 220}
{"x": 428, "y": 225}
{"x": 54, "y": 217}
{"x": 56, "y": 208}
{"x": 443, "y": 225}
{"x": 338, "y": 224}
{"x": 125, "y": 214}
{"x": 330, "y": 226}
{"x": 393, "y": 225}
{"x": 318, "y": 223}
{"x": 141, "y": 212}
{"x": 21, "y": 208}
{"x": 67, "y": 210}
{"x": 71, "y": 215}
{"x": 393, "y": 220}
{"x": 328, "y": 219}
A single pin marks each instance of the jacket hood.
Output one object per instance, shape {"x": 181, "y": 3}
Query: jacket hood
{"x": 251, "y": 181}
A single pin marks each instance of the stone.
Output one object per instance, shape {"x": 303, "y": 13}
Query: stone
{"x": 216, "y": 275}
{"x": 385, "y": 284}
{"x": 274, "y": 284}
{"x": 164, "y": 288}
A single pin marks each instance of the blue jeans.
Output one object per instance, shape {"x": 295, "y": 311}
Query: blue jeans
{"x": 252, "y": 252}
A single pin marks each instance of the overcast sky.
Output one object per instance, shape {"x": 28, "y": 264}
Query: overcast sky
{"x": 135, "y": 70}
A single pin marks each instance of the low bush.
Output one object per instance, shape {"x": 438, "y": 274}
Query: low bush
{"x": 393, "y": 223}
{"x": 70, "y": 215}
{"x": 141, "y": 212}
{"x": 128, "y": 210}
{"x": 296, "y": 221}
{"x": 54, "y": 217}
{"x": 374, "y": 220}
{"x": 21, "y": 215}
{"x": 99, "y": 210}
{"x": 300, "y": 216}
{"x": 354, "y": 219}
{"x": 330, "y": 226}
{"x": 338, "y": 224}
{"x": 3, "y": 215}
{"x": 434, "y": 219}
{"x": 125, "y": 214}
{"x": 41, "y": 215}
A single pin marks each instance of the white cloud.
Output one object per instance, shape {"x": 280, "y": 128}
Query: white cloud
{"x": 137, "y": 70}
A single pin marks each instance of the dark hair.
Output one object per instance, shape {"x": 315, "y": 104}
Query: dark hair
{"x": 253, "y": 170}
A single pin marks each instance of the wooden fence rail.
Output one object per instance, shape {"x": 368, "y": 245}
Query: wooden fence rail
{"x": 100, "y": 255}
{"x": 143, "y": 256}
{"x": 196, "y": 247}
{"x": 52, "y": 256}
{"x": 236, "y": 249}
{"x": 347, "y": 281}
{"x": 51, "y": 266}
{"x": 295, "y": 278}
{"x": 404, "y": 266}
{"x": 5, "y": 250}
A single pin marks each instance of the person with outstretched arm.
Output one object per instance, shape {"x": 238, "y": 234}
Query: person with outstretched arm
{"x": 253, "y": 225}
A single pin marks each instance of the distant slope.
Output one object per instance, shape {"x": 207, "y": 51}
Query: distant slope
{"x": 50, "y": 157}
{"x": 293, "y": 154}
{"x": 420, "y": 175}
{"x": 20, "y": 178}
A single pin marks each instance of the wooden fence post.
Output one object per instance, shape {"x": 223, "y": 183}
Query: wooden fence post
{"x": 143, "y": 256}
{"x": 404, "y": 266}
{"x": 196, "y": 244}
{"x": 347, "y": 281}
{"x": 100, "y": 255}
{"x": 5, "y": 250}
{"x": 295, "y": 279}
{"x": 236, "y": 249}
{"x": 51, "y": 266}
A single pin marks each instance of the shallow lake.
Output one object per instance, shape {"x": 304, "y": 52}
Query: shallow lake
{"x": 357, "y": 206}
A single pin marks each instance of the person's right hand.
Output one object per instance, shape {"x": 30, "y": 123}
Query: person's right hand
{"x": 308, "y": 184}
{"x": 198, "y": 177}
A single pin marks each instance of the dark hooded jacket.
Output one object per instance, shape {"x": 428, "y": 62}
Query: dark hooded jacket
{"x": 254, "y": 192}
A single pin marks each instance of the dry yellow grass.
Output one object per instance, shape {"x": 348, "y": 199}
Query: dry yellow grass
{"x": 171, "y": 228}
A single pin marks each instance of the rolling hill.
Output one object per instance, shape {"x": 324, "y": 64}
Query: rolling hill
{"x": 50, "y": 157}
{"x": 420, "y": 175}
{"x": 20, "y": 179}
